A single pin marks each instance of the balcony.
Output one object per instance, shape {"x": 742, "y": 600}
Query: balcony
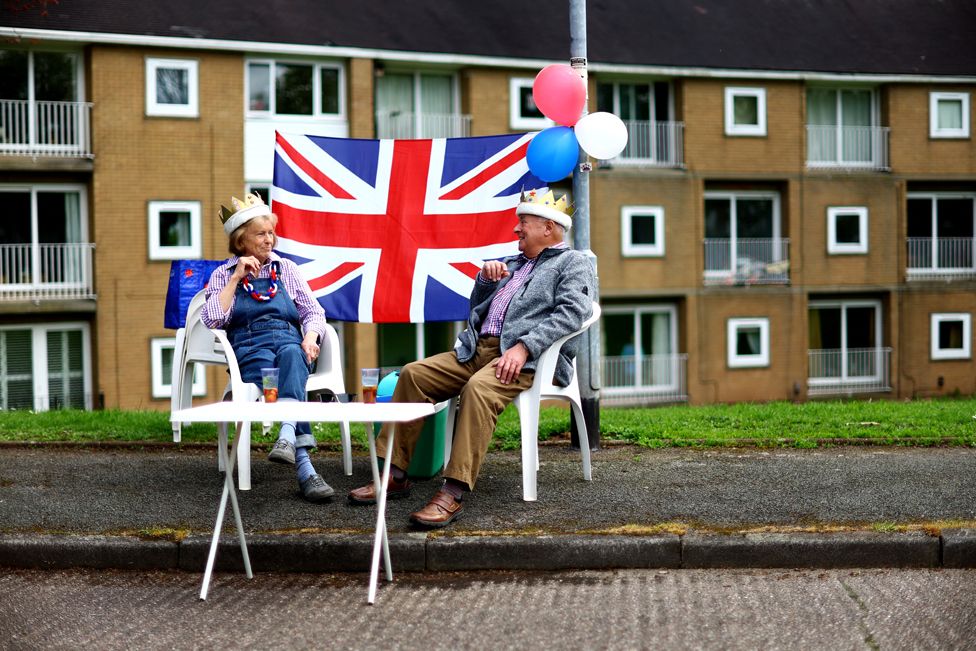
{"x": 754, "y": 261}
{"x": 400, "y": 124}
{"x": 652, "y": 144}
{"x": 840, "y": 373}
{"x": 46, "y": 272}
{"x": 847, "y": 147}
{"x": 45, "y": 129}
{"x": 940, "y": 258}
{"x": 644, "y": 380}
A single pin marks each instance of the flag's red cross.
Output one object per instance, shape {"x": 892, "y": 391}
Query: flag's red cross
{"x": 402, "y": 230}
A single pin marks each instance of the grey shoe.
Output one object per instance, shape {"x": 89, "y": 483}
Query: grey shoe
{"x": 282, "y": 452}
{"x": 314, "y": 489}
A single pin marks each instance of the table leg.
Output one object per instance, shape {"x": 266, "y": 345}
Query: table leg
{"x": 380, "y": 539}
{"x": 228, "y": 491}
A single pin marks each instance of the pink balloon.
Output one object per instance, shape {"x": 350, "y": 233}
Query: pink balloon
{"x": 560, "y": 93}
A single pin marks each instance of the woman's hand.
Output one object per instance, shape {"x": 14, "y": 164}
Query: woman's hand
{"x": 246, "y": 265}
{"x": 311, "y": 347}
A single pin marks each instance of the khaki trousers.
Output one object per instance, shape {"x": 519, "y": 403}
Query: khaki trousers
{"x": 483, "y": 398}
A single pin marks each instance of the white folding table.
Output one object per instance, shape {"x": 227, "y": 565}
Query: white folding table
{"x": 313, "y": 412}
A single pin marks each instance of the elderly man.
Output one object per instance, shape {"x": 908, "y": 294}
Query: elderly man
{"x": 519, "y": 307}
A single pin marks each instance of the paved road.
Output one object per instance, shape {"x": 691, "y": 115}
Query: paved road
{"x": 651, "y": 609}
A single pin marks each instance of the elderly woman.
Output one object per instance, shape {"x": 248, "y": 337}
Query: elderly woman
{"x": 265, "y": 306}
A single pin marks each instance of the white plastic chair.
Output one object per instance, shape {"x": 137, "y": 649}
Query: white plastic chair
{"x": 200, "y": 344}
{"x": 528, "y": 403}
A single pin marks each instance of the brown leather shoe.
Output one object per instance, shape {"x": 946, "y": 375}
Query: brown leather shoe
{"x": 441, "y": 510}
{"x": 367, "y": 494}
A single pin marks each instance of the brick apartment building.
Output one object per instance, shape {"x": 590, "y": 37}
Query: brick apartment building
{"x": 794, "y": 215}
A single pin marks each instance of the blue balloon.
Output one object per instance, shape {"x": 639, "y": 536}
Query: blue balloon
{"x": 553, "y": 153}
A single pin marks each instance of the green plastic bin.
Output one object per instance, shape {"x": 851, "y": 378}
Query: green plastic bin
{"x": 428, "y": 456}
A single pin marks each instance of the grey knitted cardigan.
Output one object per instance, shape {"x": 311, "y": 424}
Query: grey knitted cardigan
{"x": 554, "y": 301}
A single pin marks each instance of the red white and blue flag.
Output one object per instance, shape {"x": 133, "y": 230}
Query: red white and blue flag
{"x": 394, "y": 231}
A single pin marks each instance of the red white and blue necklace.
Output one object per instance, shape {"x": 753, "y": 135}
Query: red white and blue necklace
{"x": 272, "y": 286}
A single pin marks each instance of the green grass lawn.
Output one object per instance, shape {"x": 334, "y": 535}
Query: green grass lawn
{"x": 776, "y": 424}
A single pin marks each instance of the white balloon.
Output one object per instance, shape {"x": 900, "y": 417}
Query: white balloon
{"x": 601, "y": 135}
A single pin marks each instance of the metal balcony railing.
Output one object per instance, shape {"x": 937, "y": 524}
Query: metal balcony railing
{"x": 752, "y": 261}
{"x": 659, "y": 144}
{"x": 833, "y": 146}
{"x": 644, "y": 379}
{"x": 936, "y": 258}
{"x": 36, "y": 272}
{"x": 400, "y": 124}
{"x": 856, "y": 370}
{"x": 45, "y": 128}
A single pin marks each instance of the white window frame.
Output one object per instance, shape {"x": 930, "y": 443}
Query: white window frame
{"x": 39, "y": 362}
{"x": 627, "y": 246}
{"x": 317, "y": 112}
{"x": 733, "y": 129}
{"x": 636, "y": 312}
{"x": 159, "y": 252}
{"x": 515, "y": 118}
{"x": 189, "y": 110}
{"x": 733, "y": 198}
{"x": 844, "y": 377}
{"x": 747, "y": 361}
{"x": 937, "y": 352}
{"x": 162, "y": 387}
{"x": 841, "y": 248}
{"x": 935, "y": 131}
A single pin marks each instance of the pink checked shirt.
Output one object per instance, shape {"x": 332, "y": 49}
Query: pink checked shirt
{"x": 309, "y": 310}
{"x": 492, "y": 327}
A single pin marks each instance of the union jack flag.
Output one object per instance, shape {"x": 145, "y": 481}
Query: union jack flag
{"x": 394, "y": 231}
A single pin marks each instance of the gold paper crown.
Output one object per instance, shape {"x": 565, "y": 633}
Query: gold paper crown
{"x": 243, "y": 211}
{"x": 534, "y": 202}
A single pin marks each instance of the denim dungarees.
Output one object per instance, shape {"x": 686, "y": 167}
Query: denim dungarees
{"x": 266, "y": 333}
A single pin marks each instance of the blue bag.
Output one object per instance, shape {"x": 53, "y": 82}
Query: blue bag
{"x": 186, "y": 278}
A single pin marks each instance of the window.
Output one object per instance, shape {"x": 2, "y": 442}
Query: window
{"x": 45, "y": 366}
{"x": 51, "y": 84}
{"x": 742, "y": 237}
{"x": 847, "y": 229}
{"x": 401, "y": 343}
{"x": 640, "y": 347}
{"x": 748, "y": 343}
{"x": 940, "y": 231}
{"x": 174, "y": 230}
{"x": 162, "y": 370}
{"x": 845, "y": 342}
{"x": 745, "y": 111}
{"x": 45, "y": 235}
{"x": 642, "y": 230}
{"x": 523, "y": 113}
{"x": 276, "y": 88}
{"x": 646, "y": 109}
{"x": 843, "y": 128}
{"x": 171, "y": 88}
{"x": 263, "y": 189}
{"x": 949, "y": 115}
{"x": 418, "y": 105}
{"x": 951, "y": 334}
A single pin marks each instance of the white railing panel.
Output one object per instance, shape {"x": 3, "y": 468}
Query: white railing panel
{"x": 35, "y": 272}
{"x": 45, "y": 128}
{"x": 752, "y": 261}
{"x": 856, "y": 370}
{"x": 398, "y": 124}
{"x": 644, "y": 379}
{"x": 940, "y": 257}
{"x": 836, "y": 146}
{"x": 653, "y": 143}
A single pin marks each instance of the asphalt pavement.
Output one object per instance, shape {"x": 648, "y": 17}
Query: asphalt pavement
{"x": 154, "y": 507}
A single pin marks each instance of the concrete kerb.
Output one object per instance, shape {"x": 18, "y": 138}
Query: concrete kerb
{"x": 432, "y": 552}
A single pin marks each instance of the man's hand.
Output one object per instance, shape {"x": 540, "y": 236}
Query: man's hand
{"x": 509, "y": 365}
{"x": 494, "y": 270}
